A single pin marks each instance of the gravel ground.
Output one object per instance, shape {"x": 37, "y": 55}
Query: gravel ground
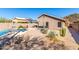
{"x": 69, "y": 41}
{"x": 33, "y": 39}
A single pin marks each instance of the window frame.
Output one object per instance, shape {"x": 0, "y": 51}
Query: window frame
{"x": 59, "y": 24}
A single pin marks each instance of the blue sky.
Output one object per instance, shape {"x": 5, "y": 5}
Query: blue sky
{"x": 35, "y": 12}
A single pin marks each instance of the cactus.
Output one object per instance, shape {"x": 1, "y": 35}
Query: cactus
{"x": 63, "y": 32}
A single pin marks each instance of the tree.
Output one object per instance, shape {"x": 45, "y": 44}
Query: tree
{"x": 4, "y": 20}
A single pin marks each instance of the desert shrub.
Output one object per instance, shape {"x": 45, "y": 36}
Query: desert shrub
{"x": 51, "y": 35}
{"x": 23, "y": 22}
{"x": 21, "y": 27}
{"x": 63, "y": 32}
{"x": 44, "y": 31}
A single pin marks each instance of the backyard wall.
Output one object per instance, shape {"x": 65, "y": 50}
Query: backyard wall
{"x": 10, "y": 25}
{"x": 5, "y": 26}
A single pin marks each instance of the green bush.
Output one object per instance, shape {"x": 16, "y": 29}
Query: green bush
{"x": 23, "y": 22}
{"x": 63, "y": 32}
{"x": 51, "y": 35}
{"x": 21, "y": 27}
{"x": 44, "y": 31}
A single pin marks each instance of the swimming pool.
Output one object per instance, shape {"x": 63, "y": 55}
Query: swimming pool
{"x": 2, "y": 32}
{"x": 21, "y": 30}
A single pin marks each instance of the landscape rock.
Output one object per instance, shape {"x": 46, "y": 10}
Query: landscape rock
{"x": 33, "y": 40}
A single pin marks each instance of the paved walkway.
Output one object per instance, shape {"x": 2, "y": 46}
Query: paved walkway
{"x": 75, "y": 35}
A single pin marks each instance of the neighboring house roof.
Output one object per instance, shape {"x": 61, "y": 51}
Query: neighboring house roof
{"x": 51, "y": 17}
{"x": 21, "y": 19}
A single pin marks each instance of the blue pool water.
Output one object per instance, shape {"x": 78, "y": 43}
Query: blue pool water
{"x": 2, "y": 32}
{"x": 22, "y": 30}
{"x": 7, "y": 30}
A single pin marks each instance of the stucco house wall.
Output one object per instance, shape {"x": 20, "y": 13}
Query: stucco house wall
{"x": 20, "y": 22}
{"x": 53, "y": 23}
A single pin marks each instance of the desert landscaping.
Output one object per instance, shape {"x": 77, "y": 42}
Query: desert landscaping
{"x": 42, "y": 34}
{"x": 34, "y": 39}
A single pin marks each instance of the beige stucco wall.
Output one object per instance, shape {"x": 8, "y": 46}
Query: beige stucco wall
{"x": 16, "y": 24}
{"x": 5, "y": 26}
{"x": 20, "y": 24}
{"x": 53, "y": 24}
{"x": 10, "y": 25}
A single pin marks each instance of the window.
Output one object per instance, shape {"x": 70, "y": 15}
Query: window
{"x": 59, "y": 24}
{"x": 47, "y": 24}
